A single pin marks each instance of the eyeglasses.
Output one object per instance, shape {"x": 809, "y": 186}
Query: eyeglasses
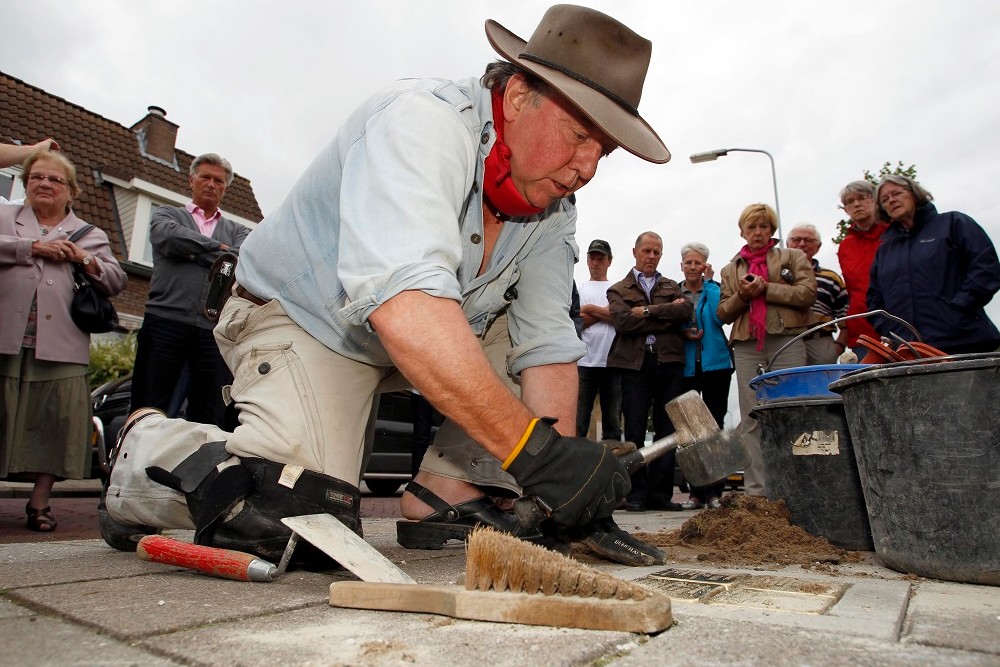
{"x": 54, "y": 180}
{"x": 802, "y": 239}
{"x": 855, "y": 200}
{"x": 892, "y": 195}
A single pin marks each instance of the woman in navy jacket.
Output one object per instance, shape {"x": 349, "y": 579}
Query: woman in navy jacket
{"x": 935, "y": 270}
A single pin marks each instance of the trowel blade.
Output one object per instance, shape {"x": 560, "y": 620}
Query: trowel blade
{"x": 346, "y": 547}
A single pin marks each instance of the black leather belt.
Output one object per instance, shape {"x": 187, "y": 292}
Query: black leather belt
{"x": 244, "y": 294}
{"x": 817, "y": 334}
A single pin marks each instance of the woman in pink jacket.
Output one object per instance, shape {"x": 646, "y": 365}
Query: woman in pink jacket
{"x": 44, "y": 395}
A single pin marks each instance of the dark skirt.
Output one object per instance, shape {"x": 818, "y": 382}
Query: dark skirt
{"x": 45, "y": 417}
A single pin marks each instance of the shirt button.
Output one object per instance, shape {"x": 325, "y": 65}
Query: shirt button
{"x": 476, "y": 238}
{"x": 264, "y": 368}
{"x": 48, "y": 317}
{"x": 48, "y": 282}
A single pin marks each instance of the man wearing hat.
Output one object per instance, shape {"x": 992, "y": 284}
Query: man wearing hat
{"x": 431, "y": 245}
{"x": 596, "y": 379}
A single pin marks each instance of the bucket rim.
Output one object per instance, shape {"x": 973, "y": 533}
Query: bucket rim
{"x": 797, "y": 370}
{"x": 933, "y": 365}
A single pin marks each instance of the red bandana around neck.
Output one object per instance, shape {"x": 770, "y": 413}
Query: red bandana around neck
{"x": 757, "y": 265}
{"x": 497, "y": 184}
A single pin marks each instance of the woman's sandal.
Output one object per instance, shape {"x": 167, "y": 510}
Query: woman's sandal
{"x": 454, "y": 522}
{"x": 40, "y": 521}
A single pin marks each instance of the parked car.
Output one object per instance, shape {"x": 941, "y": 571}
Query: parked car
{"x": 388, "y": 467}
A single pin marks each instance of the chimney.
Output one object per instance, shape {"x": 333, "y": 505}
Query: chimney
{"x": 157, "y": 135}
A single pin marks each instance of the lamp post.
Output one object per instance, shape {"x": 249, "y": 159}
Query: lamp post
{"x": 709, "y": 156}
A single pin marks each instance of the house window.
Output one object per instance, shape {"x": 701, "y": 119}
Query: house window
{"x": 11, "y": 187}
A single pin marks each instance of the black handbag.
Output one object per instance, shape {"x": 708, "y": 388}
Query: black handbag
{"x": 92, "y": 312}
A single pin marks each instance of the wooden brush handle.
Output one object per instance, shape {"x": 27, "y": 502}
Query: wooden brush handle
{"x": 649, "y": 615}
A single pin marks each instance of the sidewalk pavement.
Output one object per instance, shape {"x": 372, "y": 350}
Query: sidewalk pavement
{"x": 80, "y": 602}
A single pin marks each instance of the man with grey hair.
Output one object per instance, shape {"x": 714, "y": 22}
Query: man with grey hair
{"x": 175, "y": 333}
{"x": 831, "y": 300}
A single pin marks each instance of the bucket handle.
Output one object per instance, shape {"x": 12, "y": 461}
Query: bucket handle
{"x": 823, "y": 325}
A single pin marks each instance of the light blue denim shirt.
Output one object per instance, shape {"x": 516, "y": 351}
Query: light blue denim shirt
{"x": 394, "y": 203}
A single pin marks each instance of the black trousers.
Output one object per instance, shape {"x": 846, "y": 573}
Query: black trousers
{"x": 604, "y": 382}
{"x": 714, "y": 389}
{"x": 164, "y": 348}
{"x": 651, "y": 387}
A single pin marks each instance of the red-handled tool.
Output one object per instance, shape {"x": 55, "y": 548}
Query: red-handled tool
{"x": 223, "y": 563}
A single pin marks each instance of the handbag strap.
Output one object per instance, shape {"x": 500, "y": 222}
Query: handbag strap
{"x": 80, "y": 232}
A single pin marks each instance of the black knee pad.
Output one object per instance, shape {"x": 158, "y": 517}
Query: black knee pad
{"x": 241, "y": 508}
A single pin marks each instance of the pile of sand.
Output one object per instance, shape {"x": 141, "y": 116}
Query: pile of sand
{"x": 748, "y": 531}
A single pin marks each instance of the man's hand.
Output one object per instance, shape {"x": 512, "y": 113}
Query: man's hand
{"x": 580, "y": 480}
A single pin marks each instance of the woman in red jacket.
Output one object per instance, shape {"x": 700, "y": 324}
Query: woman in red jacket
{"x": 856, "y": 253}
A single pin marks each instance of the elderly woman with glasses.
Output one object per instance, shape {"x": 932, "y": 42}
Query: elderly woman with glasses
{"x": 935, "y": 270}
{"x": 856, "y": 252}
{"x": 44, "y": 394}
{"x": 767, "y": 294}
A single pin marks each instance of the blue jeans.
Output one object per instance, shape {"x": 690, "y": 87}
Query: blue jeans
{"x": 604, "y": 382}
{"x": 652, "y": 386}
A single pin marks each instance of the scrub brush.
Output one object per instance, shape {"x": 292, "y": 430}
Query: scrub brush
{"x": 511, "y": 581}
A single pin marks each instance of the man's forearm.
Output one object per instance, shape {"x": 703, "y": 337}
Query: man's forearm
{"x": 551, "y": 391}
{"x": 429, "y": 340}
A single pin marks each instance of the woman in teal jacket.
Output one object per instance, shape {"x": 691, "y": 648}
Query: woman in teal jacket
{"x": 708, "y": 365}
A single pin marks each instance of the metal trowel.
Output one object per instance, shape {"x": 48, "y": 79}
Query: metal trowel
{"x": 323, "y": 531}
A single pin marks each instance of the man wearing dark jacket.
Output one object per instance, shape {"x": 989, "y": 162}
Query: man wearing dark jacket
{"x": 186, "y": 242}
{"x": 648, "y": 311}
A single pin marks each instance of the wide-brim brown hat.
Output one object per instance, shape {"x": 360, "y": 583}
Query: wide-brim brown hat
{"x": 596, "y": 63}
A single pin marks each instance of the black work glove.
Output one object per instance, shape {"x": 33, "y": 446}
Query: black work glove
{"x": 578, "y": 479}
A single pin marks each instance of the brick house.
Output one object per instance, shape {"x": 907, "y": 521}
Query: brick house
{"x": 124, "y": 173}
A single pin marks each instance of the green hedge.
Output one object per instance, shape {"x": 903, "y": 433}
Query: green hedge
{"x": 111, "y": 359}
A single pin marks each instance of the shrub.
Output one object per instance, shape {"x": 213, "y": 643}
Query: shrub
{"x": 111, "y": 359}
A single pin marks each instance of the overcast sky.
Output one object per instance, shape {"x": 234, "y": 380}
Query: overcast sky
{"x": 828, "y": 88}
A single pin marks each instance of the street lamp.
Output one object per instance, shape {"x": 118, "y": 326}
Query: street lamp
{"x": 709, "y": 156}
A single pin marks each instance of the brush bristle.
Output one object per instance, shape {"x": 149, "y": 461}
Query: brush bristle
{"x": 502, "y": 562}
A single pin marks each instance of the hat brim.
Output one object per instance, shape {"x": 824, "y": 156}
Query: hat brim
{"x": 628, "y": 130}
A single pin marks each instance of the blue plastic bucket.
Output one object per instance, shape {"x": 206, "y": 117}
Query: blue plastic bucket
{"x": 801, "y": 382}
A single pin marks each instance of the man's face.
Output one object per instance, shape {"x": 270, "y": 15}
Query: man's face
{"x": 208, "y": 184}
{"x": 598, "y": 263}
{"x": 861, "y": 209}
{"x": 804, "y": 240}
{"x": 554, "y": 150}
{"x": 647, "y": 254}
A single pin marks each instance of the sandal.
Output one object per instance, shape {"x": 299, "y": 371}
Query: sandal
{"x": 40, "y": 521}
{"x": 454, "y": 522}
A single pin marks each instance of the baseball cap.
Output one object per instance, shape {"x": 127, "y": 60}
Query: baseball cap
{"x": 598, "y": 245}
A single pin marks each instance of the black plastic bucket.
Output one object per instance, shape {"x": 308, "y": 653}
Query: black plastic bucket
{"x": 927, "y": 437}
{"x": 810, "y": 464}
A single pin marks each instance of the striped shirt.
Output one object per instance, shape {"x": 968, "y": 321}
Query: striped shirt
{"x": 831, "y": 294}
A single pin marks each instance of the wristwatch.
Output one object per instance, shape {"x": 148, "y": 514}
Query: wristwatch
{"x": 645, "y": 311}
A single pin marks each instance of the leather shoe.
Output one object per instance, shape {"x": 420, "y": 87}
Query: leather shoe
{"x": 664, "y": 503}
{"x": 692, "y": 504}
{"x": 635, "y": 506}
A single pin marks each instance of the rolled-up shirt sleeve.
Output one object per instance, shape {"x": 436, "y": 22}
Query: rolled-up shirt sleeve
{"x": 405, "y": 182}
{"x": 541, "y": 329}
